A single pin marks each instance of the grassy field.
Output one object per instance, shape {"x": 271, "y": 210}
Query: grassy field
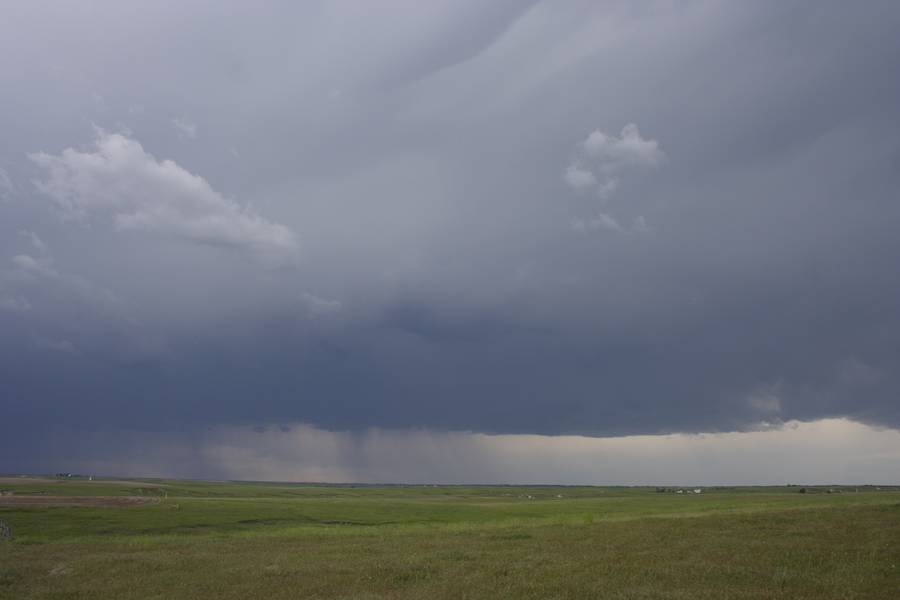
{"x": 194, "y": 539}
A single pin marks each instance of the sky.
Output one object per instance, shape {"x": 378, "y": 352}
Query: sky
{"x": 453, "y": 241}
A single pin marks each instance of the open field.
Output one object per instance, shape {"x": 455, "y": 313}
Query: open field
{"x": 244, "y": 540}
{"x": 23, "y": 500}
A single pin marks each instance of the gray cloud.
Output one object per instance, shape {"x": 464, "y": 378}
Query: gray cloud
{"x": 579, "y": 177}
{"x": 186, "y": 128}
{"x": 14, "y": 303}
{"x": 6, "y": 186}
{"x": 55, "y": 345}
{"x": 832, "y": 451}
{"x": 431, "y": 163}
{"x": 36, "y": 242}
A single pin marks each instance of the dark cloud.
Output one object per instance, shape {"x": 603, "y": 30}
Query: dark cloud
{"x": 830, "y": 450}
{"x": 414, "y": 161}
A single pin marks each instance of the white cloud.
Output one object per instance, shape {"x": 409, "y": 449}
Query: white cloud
{"x": 579, "y": 178}
{"x": 613, "y": 154}
{"x": 603, "y": 157}
{"x": 140, "y": 193}
{"x": 601, "y": 160}
{"x": 186, "y": 129}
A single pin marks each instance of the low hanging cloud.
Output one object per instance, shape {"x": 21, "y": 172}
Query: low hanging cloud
{"x": 598, "y": 168}
{"x": 141, "y": 193}
{"x": 827, "y": 450}
{"x": 602, "y": 158}
{"x": 579, "y": 177}
{"x": 614, "y": 154}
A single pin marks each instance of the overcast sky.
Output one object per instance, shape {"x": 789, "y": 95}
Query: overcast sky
{"x": 512, "y": 231}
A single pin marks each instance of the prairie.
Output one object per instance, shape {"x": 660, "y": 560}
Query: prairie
{"x": 199, "y": 539}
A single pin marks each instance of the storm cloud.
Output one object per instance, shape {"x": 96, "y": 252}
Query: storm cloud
{"x": 567, "y": 218}
{"x": 828, "y": 450}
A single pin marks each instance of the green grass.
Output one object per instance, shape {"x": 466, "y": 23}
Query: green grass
{"x": 247, "y": 540}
